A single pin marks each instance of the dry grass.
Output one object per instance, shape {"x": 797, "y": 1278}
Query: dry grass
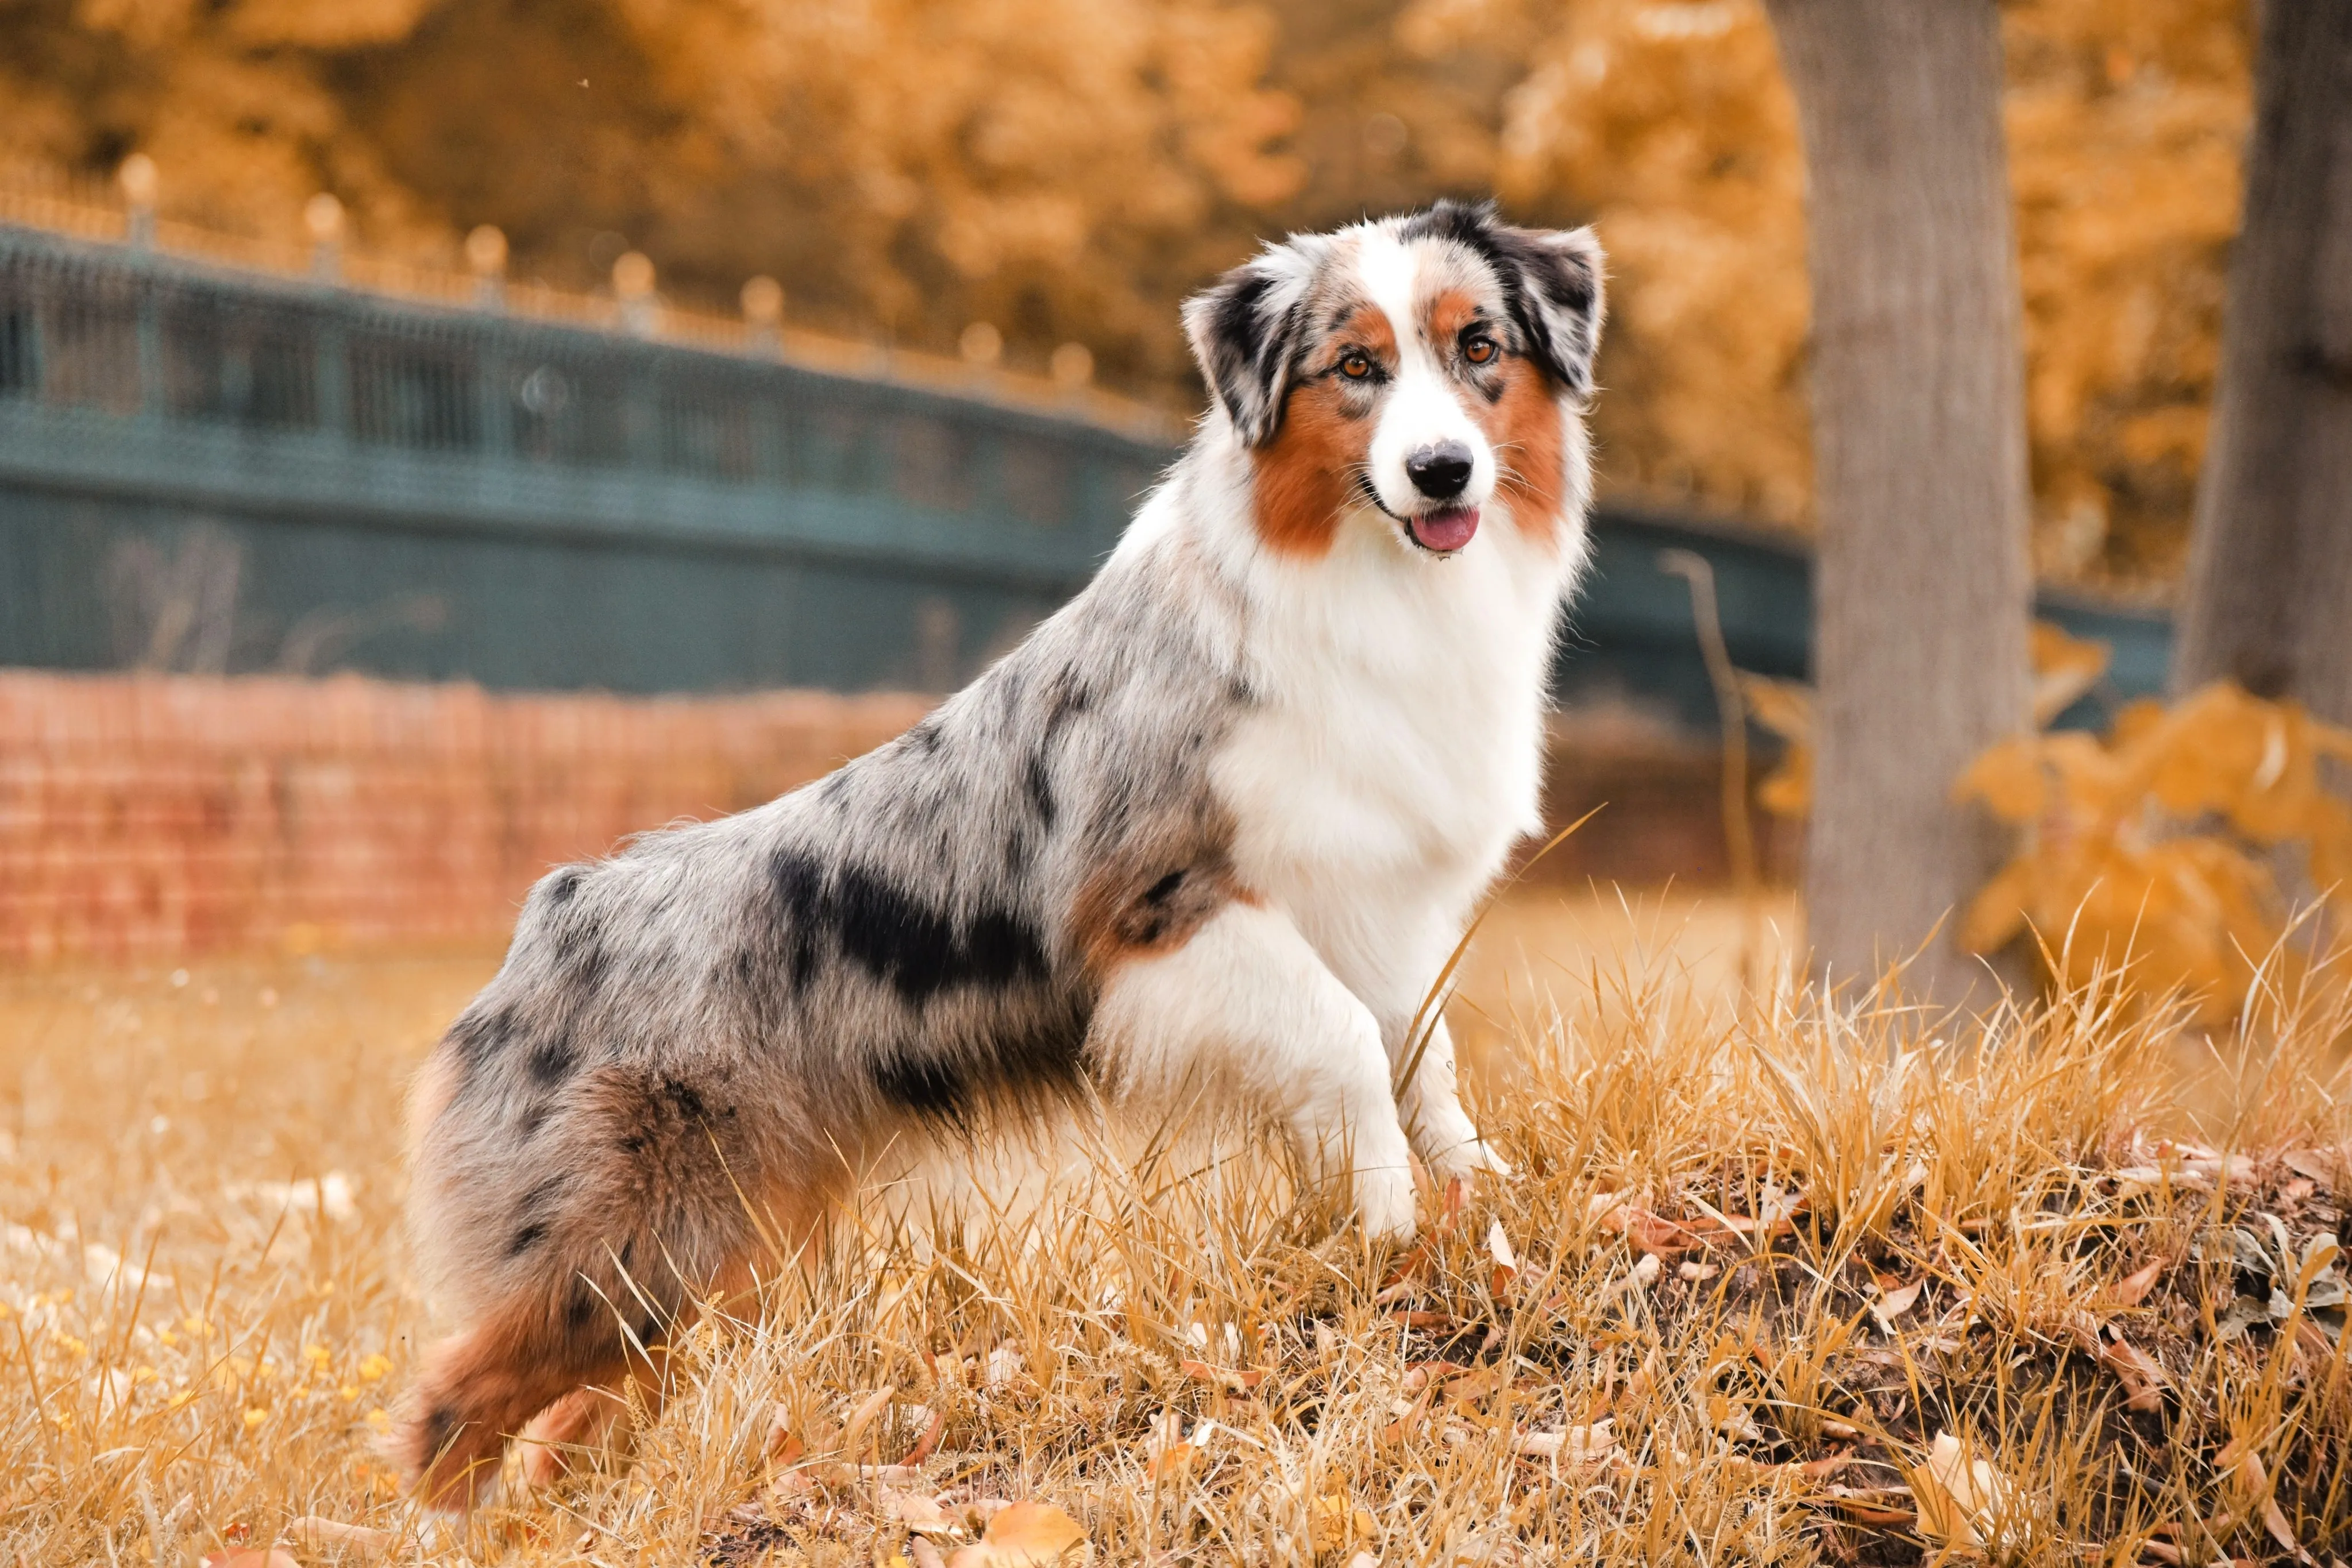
{"x": 206, "y": 1312}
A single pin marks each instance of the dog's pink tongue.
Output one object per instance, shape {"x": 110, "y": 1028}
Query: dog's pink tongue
{"x": 1447, "y": 530}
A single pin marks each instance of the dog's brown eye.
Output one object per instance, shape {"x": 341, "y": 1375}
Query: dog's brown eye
{"x": 1479, "y": 350}
{"x": 1355, "y": 366}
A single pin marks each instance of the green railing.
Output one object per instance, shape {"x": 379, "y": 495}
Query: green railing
{"x": 468, "y": 493}
{"x": 215, "y": 467}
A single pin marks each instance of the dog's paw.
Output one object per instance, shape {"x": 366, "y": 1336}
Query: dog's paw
{"x": 1384, "y": 1199}
{"x": 1473, "y": 1156}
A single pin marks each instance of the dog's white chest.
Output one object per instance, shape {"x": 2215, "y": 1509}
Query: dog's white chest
{"x": 1395, "y": 750}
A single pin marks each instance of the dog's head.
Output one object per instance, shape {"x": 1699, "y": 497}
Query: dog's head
{"x": 1423, "y": 369}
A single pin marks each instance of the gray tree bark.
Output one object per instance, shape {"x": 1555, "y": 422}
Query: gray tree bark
{"x": 1922, "y": 588}
{"x": 2269, "y": 599}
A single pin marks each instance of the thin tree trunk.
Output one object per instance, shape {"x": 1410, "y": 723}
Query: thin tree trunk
{"x": 2269, "y": 601}
{"x": 1922, "y": 586}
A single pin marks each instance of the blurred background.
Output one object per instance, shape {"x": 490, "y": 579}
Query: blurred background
{"x": 439, "y": 439}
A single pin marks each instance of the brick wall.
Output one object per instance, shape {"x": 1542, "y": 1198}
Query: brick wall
{"x": 154, "y": 815}
{"x": 163, "y": 814}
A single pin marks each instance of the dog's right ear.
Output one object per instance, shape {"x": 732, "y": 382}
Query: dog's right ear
{"x": 1245, "y": 329}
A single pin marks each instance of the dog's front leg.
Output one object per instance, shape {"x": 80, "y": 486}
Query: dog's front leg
{"x": 1246, "y": 1001}
{"x": 1429, "y": 1100}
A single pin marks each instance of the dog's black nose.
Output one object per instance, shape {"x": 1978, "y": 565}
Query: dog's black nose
{"x": 1439, "y": 472}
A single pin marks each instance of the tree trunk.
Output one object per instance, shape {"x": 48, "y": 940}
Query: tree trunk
{"x": 2269, "y": 601}
{"x": 1922, "y": 586}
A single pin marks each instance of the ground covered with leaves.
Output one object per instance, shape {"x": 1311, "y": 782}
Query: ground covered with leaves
{"x": 1776, "y": 1282}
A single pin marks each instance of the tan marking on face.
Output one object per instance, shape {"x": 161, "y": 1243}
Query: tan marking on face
{"x": 1448, "y": 312}
{"x": 1524, "y": 428}
{"x": 1304, "y": 474}
{"x": 1366, "y": 327}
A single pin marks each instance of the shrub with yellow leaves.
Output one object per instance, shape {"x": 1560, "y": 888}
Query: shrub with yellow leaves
{"x": 2154, "y": 843}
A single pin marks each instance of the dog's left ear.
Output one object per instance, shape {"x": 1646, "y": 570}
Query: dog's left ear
{"x": 1245, "y": 329}
{"x": 1553, "y": 278}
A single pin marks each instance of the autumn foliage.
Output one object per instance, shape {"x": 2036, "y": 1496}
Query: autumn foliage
{"x": 1065, "y": 170}
{"x": 2157, "y": 843}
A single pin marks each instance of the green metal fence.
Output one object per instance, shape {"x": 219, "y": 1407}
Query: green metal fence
{"x": 223, "y": 470}
{"x": 216, "y": 469}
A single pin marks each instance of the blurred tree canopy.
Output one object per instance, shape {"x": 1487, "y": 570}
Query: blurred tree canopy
{"x": 1067, "y": 169}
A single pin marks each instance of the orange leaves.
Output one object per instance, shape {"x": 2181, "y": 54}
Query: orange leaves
{"x": 1963, "y": 1500}
{"x": 1026, "y": 1535}
{"x": 2148, "y": 844}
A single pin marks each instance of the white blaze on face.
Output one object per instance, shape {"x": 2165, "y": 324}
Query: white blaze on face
{"x": 1423, "y": 407}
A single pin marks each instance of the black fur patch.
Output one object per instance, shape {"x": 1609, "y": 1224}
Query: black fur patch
{"x": 951, "y": 1082}
{"x": 919, "y": 950}
{"x": 579, "y": 1304}
{"x": 561, "y": 886}
{"x": 1040, "y": 783}
{"x": 1246, "y": 349}
{"x": 478, "y": 1036}
{"x": 926, "y": 1086}
{"x": 526, "y": 1237}
{"x": 1551, "y": 292}
{"x": 551, "y": 1060}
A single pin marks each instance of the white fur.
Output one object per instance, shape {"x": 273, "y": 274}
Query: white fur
{"x": 1391, "y": 759}
{"x": 1421, "y": 409}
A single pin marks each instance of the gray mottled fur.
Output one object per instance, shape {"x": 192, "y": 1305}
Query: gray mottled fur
{"x": 724, "y": 1018}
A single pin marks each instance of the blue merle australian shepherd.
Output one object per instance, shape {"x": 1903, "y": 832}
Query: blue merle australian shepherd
{"x": 1220, "y": 820}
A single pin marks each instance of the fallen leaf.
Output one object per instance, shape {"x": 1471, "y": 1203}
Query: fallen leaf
{"x": 2256, "y": 1476}
{"x": 1026, "y": 1535}
{"x": 924, "y": 1554}
{"x": 1505, "y": 1260}
{"x": 1694, "y": 1271}
{"x": 928, "y": 1444}
{"x": 2133, "y": 1288}
{"x": 1222, "y": 1377}
{"x": 1658, "y": 1237}
{"x": 853, "y": 1430}
{"x": 311, "y": 1530}
{"x": 1728, "y": 1415}
{"x": 1334, "y": 1523}
{"x": 1172, "y": 1453}
{"x": 1892, "y": 1305}
{"x": 1961, "y": 1499}
{"x": 2142, "y": 1378}
{"x": 1584, "y": 1447}
{"x": 1875, "y": 1505}
{"x": 2331, "y": 1166}
{"x": 273, "y": 1557}
{"x": 1419, "y": 1375}
{"x": 915, "y": 1511}
{"x": 1422, "y": 1320}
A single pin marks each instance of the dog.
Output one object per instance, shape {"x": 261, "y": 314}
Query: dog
{"x": 1223, "y": 818}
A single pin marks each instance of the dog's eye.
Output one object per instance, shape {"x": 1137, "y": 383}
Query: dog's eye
{"x": 1355, "y": 366}
{"x": 1479, "y": 350}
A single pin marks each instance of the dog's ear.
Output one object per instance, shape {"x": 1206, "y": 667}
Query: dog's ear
{"x": 1245, "y": 329}
{"x": 1553, "y": 280}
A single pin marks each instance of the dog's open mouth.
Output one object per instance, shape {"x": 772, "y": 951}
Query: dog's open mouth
{"x": 1444, "y": 531}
